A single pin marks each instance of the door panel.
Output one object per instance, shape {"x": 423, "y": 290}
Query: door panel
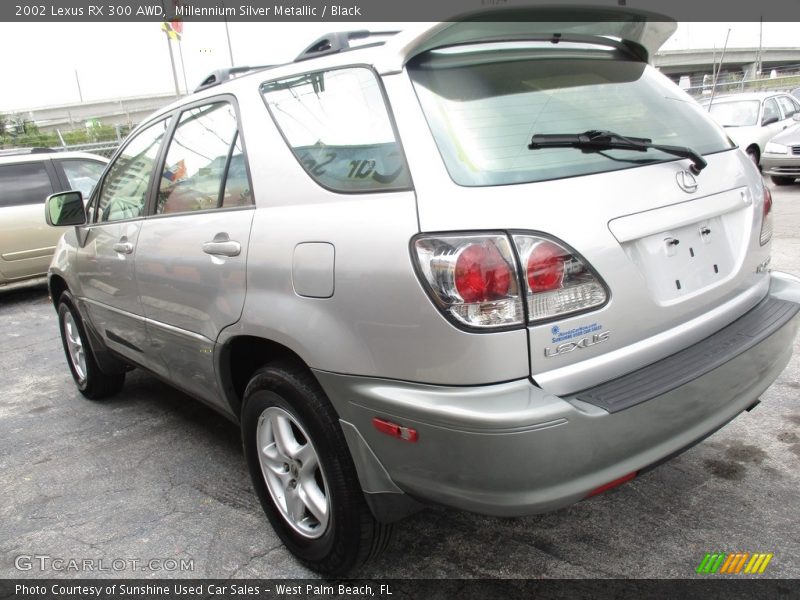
{"x": 192, "y": 254}
{"x": 26, "y": 241}
{"x": 106, "y": 268}
{"x": 188, "y": 295}
{"x": 108, "y": 284}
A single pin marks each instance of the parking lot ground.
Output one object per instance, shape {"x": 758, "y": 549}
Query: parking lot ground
{"x": 152, "y": 474}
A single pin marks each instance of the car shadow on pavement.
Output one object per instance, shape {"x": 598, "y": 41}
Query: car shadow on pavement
{"x": 17, "y": 294}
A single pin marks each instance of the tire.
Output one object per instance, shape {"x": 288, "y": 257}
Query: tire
{"x": 778, "y": 180}
{"x": 319, "y": 513}
{"x": 91, "y": 381}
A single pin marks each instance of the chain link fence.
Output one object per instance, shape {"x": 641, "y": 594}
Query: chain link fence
{"x": 101, "y": 148}
{"x": 732, "y": 83}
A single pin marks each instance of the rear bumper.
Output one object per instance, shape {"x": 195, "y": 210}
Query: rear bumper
{"x": 512, "y": 449}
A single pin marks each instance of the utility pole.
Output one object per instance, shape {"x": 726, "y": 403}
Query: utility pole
{"x": 171, "y": 55}
{"x": 721, "y": 58}
{"x": 78, "y": 81}
{"x": 172, "y": 62}
{"x": 183, "y": 67}
{"x": 227, "y": 33}
{"x": 760, "y": 40}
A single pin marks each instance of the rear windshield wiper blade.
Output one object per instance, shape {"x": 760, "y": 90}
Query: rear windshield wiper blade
{"x": 598, "y": 141}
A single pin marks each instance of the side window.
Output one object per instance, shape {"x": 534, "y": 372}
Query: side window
{"x": 203, "y": 151}
{"x": 788, "y": 105}
{"x": 771, "y": 110}
{"x": 124, "y": 193}
{"x": 24, "y": 183}
{"x": 338, "y": 127}
{"x": 237, "y": 185}
{"x": 82, "y": 175}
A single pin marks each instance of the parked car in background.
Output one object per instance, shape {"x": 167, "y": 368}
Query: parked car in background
{"x": 467, "y": 266}
{"x": 781, "y": 159}
{"x": 27, "y": 177}
{"x": 752, "y": 119}
{"x": 796, "y": 93}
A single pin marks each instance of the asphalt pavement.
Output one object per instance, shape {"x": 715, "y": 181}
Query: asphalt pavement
{"x": 152, "y": 475}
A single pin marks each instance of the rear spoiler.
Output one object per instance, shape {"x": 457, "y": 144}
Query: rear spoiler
{"x": 641, "y": 30}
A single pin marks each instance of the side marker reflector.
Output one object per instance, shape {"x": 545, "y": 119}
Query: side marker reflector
{"x": 393, "y": 429}
{"x": 612, "y": 484}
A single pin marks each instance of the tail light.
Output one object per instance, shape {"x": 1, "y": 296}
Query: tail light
{"x": 766, "y": 219}
{"x": 558, "y": 282}
{"x": 544, "y": 267}
{"x": 472, "y": 278}
{"x": 476, "y": 281}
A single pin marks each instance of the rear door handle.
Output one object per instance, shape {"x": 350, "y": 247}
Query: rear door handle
{"x": 123, "y": 247}
{"x": 219, "y": 248}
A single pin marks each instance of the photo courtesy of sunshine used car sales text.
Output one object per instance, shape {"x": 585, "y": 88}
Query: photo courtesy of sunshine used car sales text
{"x": 203, "y": 590}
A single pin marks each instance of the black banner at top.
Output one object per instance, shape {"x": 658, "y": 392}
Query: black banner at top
{"x": 374, "y": 10}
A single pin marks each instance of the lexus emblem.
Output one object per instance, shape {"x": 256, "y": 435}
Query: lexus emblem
{"x": 686, "y": 181}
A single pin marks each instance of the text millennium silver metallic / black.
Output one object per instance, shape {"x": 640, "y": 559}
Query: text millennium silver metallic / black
{"x": 276, "y": 10}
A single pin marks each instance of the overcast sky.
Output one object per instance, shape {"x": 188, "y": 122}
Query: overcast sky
{"x": 132, "y": 59}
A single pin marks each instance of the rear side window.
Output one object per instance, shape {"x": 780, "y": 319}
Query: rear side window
{"x": 484, "y": 103}
{"x": 338, "y": 127}
{"x": 771, "y": 110}
{"x": 789, "y": 106}
{"x": 24, "y": 183}
{"x": 237, "y": 184}
{"x": 204, "y": 163}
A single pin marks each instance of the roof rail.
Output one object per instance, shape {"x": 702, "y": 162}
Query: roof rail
{"x": 338, "y": 41}
{"x": 223, "y": 75}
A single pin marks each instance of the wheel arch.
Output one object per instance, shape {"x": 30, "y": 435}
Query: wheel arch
{"x": 241, "y": 356}
{"x": 56, "y": 285}
{"x": 755, "y": 149}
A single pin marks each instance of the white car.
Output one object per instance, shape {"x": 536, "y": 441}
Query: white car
{"x": 752, "y": 119}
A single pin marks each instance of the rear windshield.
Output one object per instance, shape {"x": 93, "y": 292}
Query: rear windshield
{"x": 484, "y": 104}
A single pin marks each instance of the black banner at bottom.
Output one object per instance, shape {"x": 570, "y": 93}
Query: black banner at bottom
{"x": 395, "y": 589}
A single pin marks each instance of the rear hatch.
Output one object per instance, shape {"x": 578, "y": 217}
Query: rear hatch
{"x": 678, "y": 253}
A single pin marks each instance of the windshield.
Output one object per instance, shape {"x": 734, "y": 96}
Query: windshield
{"x": 483, "y": 107}
{"x": 740, "y": 113}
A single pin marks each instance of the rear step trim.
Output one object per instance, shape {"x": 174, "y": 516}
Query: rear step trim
{"x": 693, "y": 362}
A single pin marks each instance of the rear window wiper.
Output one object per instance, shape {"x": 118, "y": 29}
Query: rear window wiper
{"x": 598, "y": 141}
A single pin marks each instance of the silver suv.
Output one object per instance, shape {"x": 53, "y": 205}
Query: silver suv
{"x": 499, "y": 267}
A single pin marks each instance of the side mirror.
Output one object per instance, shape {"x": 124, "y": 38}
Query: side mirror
{"x": 65, "y": 208}
{"x": 769, "y": 121}
{"x": 796, "y": 116}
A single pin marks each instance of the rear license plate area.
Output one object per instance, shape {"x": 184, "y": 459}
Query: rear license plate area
{"x": 680, "y": 261}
